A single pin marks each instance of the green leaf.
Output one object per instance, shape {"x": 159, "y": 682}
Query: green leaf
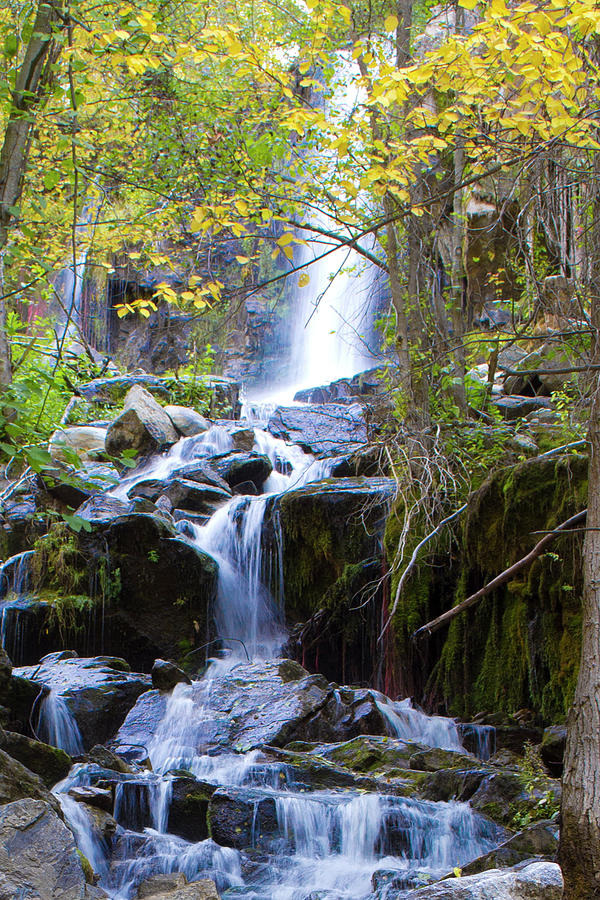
{"x": 51, "y": 179}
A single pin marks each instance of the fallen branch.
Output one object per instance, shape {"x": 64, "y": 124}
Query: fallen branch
{"x": 412, "y": 563}
{"x": 502, "y": 578}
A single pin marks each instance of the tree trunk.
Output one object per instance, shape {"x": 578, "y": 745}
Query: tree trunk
{"x": 30, "y": 82}
{"x": 579, "y": 850}
{"x": 579, "y": 853}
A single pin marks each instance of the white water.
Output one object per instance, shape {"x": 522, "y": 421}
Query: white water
{"x": 57, "y": 726}
{"x": 325, "y": 841}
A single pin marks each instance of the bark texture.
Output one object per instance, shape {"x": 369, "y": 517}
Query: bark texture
{"x": 579, "y": 852}
{"x": 28, "y": 90}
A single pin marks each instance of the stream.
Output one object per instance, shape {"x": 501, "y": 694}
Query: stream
{"x": 306, "y": 841}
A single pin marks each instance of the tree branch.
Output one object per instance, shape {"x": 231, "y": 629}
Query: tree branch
{"x": 500, "y": 579}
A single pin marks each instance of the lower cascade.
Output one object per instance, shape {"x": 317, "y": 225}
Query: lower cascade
{"x": 273, "y": 783}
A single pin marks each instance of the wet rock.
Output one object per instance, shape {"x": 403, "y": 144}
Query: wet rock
{"x": 322, "y": 430}
{"x": 188, "y": 811}
{"x": 38, "y": 857}
{"x": 537, "y": 841}
{"x": 143, "y": 426}
{"x": 6, "y": 668}
{"x": 101, "y": 509}
{"x": 517, "y": 407}
{"x": 435, "y": 758}
{"x": 243, "y": 438}
{"x": 165, "y": 675}
{"x": 161, "y": 587}
{"x": 176, "y": 887}
{"x": 344, "y": 389}
{"x": 187, "y": 421}
{"x": 17, "y": 783}
{"x": 238, "y": 466}
{"x": 548, "y": 357}
{"x": 290, "y": 670}
{"x": 101, "y": 798}
{"x": 85, "y": 441}
{"x": 242, "y": 817}
{"x": 114, "y": 390}
{"x": 502, "y": 796}
{"x": 202, "y": 472}
{"x": 182, "y": 494}
{"x": 552, "y": 750}
{"x": 531, "y": 881}
{"x": 98, "y": 692}
{"x": 50, "y": 763}
{"x": 108, "y": 760}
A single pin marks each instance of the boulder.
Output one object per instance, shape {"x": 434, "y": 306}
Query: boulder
{"x": 165, "y": 675}
{"x": 242, "y": 818}
{"x": 50, "y": 763}
{"x": 323, "y": 430}
{"x": 531, "y": 881}
{"x": 537, "y": 841}
{"x": 113, "y": 390}
{"x": 100, "y": 798}
{"x": 84, "y": 441}
{"x": 517, "y": 407}
{"x": 243, "y": 438}
{"x": 181, "y": 493}
{"x": 187, "y": 421}
{"x": 552, "y": 749}
{"x": 105, "y": 758}
{"x": 143, "y": 426}
{"x": 97, "y": 692}
{"x": 202, "y": 472}
{"x": 38, "y": 857}
{"x": 188, "y": 810}
{"x": 175, "y": 886}
{"x": 17, "y": 783}
{"x": 238, "y": 466}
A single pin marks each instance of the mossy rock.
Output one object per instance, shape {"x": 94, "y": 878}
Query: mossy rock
{"x": 518, "y": 647}
{"x": 50, "y": 763}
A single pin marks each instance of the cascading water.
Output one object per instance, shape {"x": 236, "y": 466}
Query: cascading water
{"x": 15, "y": 593}
{"x": 325, "y": 842}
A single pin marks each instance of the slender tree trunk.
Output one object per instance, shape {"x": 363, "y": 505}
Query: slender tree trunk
{"x": 580, "y": 826}
{"x": 579, "y": 851}
{"x": 31, "y": 79}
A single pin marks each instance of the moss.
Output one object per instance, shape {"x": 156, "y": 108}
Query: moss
{"x": 88, "y": 872}
{"x": 518, "y": 647}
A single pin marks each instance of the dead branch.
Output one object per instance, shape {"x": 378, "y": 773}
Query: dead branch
{"x": 412, "y": 563}
{"x": 500, "y": 579}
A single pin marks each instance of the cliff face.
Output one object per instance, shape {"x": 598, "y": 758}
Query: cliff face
{"x": 518, "y": 647}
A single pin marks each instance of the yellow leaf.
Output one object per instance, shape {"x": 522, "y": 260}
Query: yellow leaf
{"x": 243, "y": 260}
{"x": 188, "y": 295}
{"x": 391, "y": 23}
{"x": 468, "y": 4}
{"x": 303, "y": 279}
{"x": 285, "y": 239}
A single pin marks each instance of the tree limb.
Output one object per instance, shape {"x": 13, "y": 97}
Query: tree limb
{"x": 500, "y": 579}
{"x": 412, "y": 563}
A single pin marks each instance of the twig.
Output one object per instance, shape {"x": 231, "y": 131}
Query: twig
{"x": 500, "y": 579}
{"x": 412, "y": 563}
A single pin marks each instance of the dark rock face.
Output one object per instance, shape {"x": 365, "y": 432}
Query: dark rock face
{"x": 165, "y": 675}
{"x": 331, "y": 537}
{"x": 38, "y": 858}
{"x": 238, "y": 466}
{"x": 322, "y": 430}
{"x": 188, "y": 811}
{"x": 150, "y": 591}
{"x": 143, "y": 426}
{"x": 98, "y": 692}
{"x": 242, "y": 818}
{"x": 553, "y": 748}
{"x": 50, "y": 763}
{"x": 18, "y": 783}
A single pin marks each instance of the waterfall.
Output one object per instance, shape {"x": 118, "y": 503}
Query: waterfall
{"x": 57, "y": 726}
{"x": 15, "y": 593}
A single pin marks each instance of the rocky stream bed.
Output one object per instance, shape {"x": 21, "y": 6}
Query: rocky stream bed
{"x": 236, "y": 772}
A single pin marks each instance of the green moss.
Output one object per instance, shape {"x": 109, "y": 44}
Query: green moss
{"x": 88, "y": 872}
{"x": 518, "y": 647}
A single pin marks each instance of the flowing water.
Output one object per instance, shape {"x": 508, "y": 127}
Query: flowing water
{"x": 322, "y": 843}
